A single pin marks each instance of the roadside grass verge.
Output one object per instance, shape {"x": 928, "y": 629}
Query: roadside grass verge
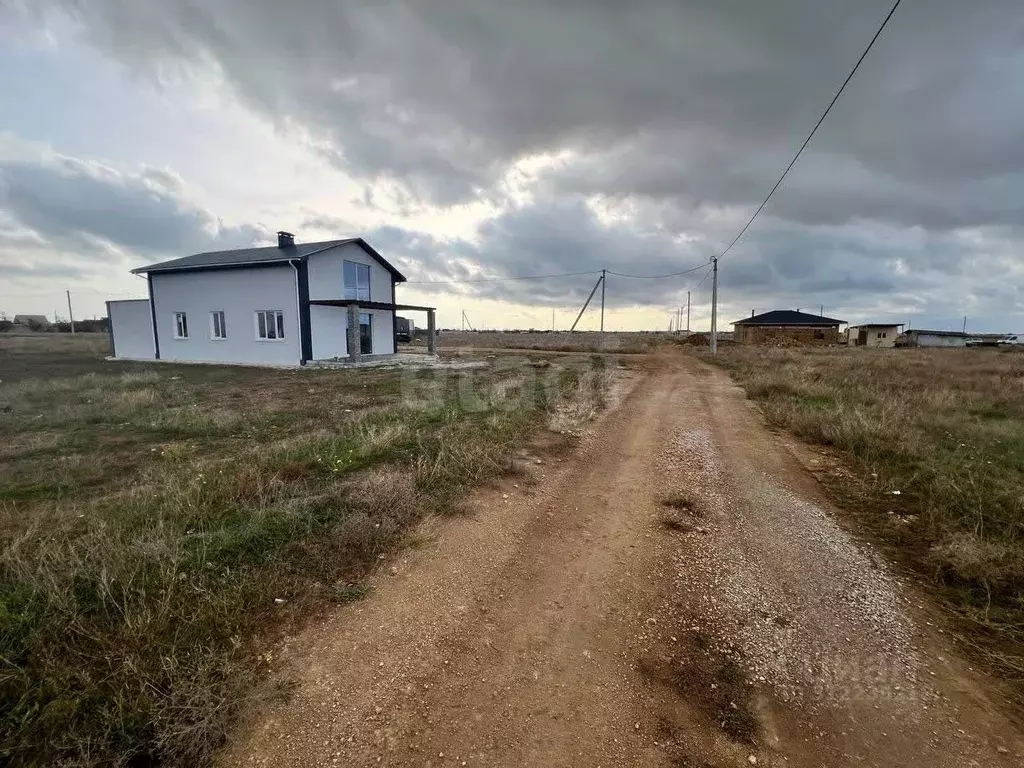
{"x": 623, "y": 342}
{"x": 936, "y": 442}
{"x": 162, "y": 527}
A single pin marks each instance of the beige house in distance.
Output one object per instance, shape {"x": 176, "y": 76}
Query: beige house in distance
{"x": 879, "y": 335}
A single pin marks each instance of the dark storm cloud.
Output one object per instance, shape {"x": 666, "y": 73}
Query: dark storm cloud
{"x": 684, "y": 111}
{"x": 443, "y": 96}
{"x": 62, "y": 204}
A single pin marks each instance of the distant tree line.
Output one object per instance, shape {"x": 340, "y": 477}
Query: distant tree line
{"x": 100, "y": 325}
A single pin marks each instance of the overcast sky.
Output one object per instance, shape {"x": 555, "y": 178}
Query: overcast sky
{"x": 489, "y": 138}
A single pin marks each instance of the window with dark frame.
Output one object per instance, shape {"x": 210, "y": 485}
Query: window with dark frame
{"x": 357, "y": 280}
{"x": 180, "y": 325}
{"x": 365, "y": 334}
{"x": 218, "y": 330}
{"x": 269, "y": 325}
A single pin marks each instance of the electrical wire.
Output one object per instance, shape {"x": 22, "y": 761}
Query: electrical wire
{"x": 705, "y": 278}
{"x": 816, "y": 127}
{"x": 500, "y": 279}
{"x": 659, "y": 277}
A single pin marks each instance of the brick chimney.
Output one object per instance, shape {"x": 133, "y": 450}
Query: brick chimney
{"x": 285, "y": 240}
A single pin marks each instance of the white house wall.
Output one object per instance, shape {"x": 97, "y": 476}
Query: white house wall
{"x": 238, "y": 293}
{"x": 330, "y": 328}
{"x": 383, "y": 331}
{"x": 327, "y": 278}
{"x": 131, "y": 327}
{"x": 928, "y": 340}
{"x": 329, "y": 324}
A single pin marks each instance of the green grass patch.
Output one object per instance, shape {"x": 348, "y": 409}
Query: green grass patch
{"x": 162, "y": 526}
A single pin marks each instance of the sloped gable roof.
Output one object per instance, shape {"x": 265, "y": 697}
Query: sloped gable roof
{"x": 268, "y": 255}
{"x": 789, "y": 317}
{"x": 41, "y": 319}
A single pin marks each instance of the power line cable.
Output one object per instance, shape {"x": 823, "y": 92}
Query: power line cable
{"x": 816, "y": 126}
{"x": 659, "y": 277}
{"x": 705, "y": 278}
{"x": 500, "y": 279}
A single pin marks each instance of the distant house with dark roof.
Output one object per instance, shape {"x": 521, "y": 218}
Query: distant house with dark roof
{"x": 285, "y": 305}
{"x": 783, "y": 326}
{"x": 33, "y": 321}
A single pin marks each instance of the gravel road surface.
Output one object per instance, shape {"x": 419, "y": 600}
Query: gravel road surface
{"x": 576, "y": 619}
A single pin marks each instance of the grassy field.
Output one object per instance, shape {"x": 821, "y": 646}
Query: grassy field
{"x": 161, "y": 525}
{"x": 936, "y": 442}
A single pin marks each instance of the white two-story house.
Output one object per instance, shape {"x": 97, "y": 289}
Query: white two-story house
{"x": 288, "y": 305}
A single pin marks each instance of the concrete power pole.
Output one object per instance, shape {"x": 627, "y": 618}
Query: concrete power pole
{"x": 71, "y": 315}
{"x": 687, "y": 311}
{"x": 604, "y": 277}
{"x": 714, "y": 307}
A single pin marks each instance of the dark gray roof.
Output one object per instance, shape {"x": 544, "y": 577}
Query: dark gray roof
{"x": 789, "y": 317}
{"x": 268, "y": 255}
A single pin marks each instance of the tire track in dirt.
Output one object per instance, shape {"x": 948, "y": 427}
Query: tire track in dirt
{"x": 568, "y": 625}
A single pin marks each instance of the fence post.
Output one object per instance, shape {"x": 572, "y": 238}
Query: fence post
{"x": 431, "y": 333}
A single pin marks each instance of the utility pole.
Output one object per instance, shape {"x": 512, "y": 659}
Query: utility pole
{"x": 821, "y": 312}
{"x": 552, "y": 319}
{"x": 71, "y": 315}
{"x": 604, "y": 276}
{"x": 600, "y": 281}
{"x": 714, "y": 307}
{"x": 687, "y": 311}
{"x": 965, "y": 324}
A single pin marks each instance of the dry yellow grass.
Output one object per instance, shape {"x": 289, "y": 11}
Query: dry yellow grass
{"x": 936, "y": 439}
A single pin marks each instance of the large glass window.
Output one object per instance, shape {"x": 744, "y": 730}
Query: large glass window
{"x": 365, "y": 334}
{"x": 357, "y": 281}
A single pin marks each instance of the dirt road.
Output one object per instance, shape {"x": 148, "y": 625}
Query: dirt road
{"x": 576, "y": 620}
